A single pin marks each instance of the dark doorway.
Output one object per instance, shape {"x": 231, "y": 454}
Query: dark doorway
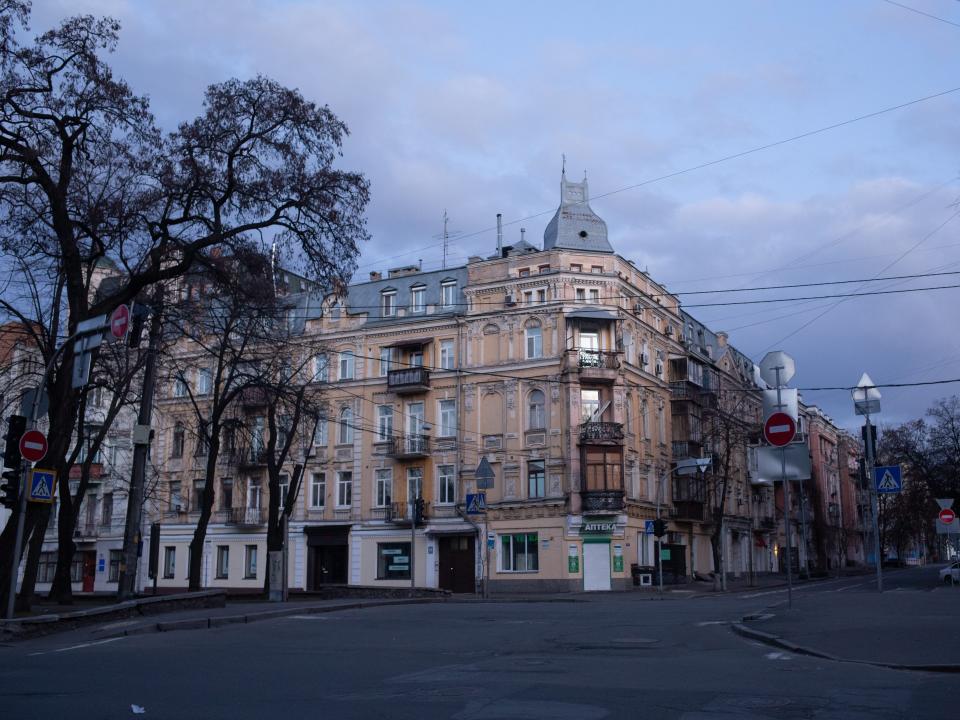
{"x": 457, "y": 563}
{"x": 89, "y": 571}
{"x": 327, "y": 556}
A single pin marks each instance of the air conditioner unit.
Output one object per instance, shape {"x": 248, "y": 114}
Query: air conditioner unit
{"x": 509, "y": 301}
{"x": 638, "y": 307}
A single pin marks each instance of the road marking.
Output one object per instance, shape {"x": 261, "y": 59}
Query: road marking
{"x": 77, "y": 647}
{"x": 777, "y": 656}
{"x": 306, "y": 617}
{"x": 713, "y": 622}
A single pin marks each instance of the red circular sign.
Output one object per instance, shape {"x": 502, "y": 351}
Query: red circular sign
{"x": 120, "y": 321}
{"x": 779, "y": 429}
{"x": 947, "y": 516}
{"x": 33, "y": 445}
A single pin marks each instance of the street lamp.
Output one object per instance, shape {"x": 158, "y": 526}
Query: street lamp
{"x": 686, "y": 466}
{"x": 866, "y": 401}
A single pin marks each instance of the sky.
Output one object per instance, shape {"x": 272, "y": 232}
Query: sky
{"x": 468, "y": 107}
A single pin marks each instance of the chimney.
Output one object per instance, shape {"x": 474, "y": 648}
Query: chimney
{"x": 499, "y": 234}
{"x": 374, "y": 275}
{"x": 722, "y": 339}
{"x": 523, "y": 232}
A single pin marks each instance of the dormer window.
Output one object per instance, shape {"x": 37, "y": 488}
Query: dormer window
{"x": 418, "y": 299}
{"x": 448, "y": 291}
{"x": 576, "y": 267}
{"x": 388, "y": 303}
{"x": 524, "y": 272}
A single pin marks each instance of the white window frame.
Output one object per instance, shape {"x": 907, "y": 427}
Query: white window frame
{"x": 346, "y": 365}
{"x": 446, "y": 485}
{"x": 384, "y": 422}
{"x": 447, "y": 356}
{"x": 388, "y": 358}
{"x": 448, "y": 292}
{"x": 345, "y": 427}
{"x": 383, "y": 487}
{"x": 388, "y": 303}
{"x": 318, "y": 490}
{"x": 321, "y": 368}
{"x": 534, "y": 342}
{"x": 536, "y": 418}
{"x": 321, "y": 434}
{"x": 204, "y": 381}
{"x": 447, "y": 414}
{"x": 594, "y": 295}
{"x": 505, "y": 557}
{"x": 418, "y": 299}
{"x": 414, "y": 474}
{"x": 541, "y": 489}
{"x": 344, "y": 488}
{"x": 284, "y": 486}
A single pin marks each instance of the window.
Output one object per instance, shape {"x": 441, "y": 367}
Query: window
{"x": 284, "y": 485}
{"x": 645, "y": 419}
{"x": 223, "y": 562}
{"x": 418, "y": 299}
{"x": 416, "y": 359}
{"x": 384, "y": 487}
{"x": 344, "y": 488}
{"x": 534, "y": 343}
{"x": 320, "y": 437}
{"x": 384, "y": 422}
{"x": 250, "y": 562}
{"x": 661, "y": 425}
{"x": 414, "y": 483}
{"x": 596, "y": 269}
{"x": 318, "y": 490}
{"x": 393, "y": 561}
{"x": 536, "y": 410}
{"x": 576, "y": 267}
{"x": 528, "y": 297}
{"x": 179, "y": 387}
{"x": 387, "y": 359}
{"x": 448, "y": 418}
{"x": 47, "y": 567}
{"x": 76, "y": 569}
{"x": 226, "y": 493}
{"x": 388, "y": 303}
{"x": 524, "y": 272}
{"x": 447, "y": 480}
{"x": 347, "y": 365}
{"x": 448, "y": 292}
{"x": 198, "y": 487}
{"x": 446, "y": 355}
{"x": 201, "y": 447}
{"x": 257, "y": 444}
{"x": 345, "y": 432}
{"x": 594, "y": 295}
{"x": 536, "y": 479}
{"x": 543, "y": 269}
{"x": 169, "y": 561}
{"x": 519, "y": 553}
{"x": 253, "y": 493}
{"x": 106, "y": 509}
{"x": 589, "y": 405}
{"x": 114, "y": 575}
{"x": 176, "y": 501}
{"x": 581, "y": 295}
{"x": 541, "y": 296}
{"x": 176, "y": 445}
{"x": 204, "y": 381}
{"x": 603, "y": 469}
{"x": 321, "y": 369}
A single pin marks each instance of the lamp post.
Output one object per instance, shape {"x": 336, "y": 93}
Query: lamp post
{"x": 687, "y": 466}
{"x": 866, "y": 401}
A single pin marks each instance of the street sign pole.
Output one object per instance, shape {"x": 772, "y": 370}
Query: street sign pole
{"x": 786, "y": 500}
{"x": 875, "y": 502}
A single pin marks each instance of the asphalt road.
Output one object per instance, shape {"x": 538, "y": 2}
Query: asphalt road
{"x": 616, "y": 656}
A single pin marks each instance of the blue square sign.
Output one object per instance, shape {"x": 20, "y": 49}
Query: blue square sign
{"x": 888, "y": 479}
{"x": 648, "y": 527}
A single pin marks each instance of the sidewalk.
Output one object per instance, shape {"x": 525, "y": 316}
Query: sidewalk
{"x": 907, "y": 630}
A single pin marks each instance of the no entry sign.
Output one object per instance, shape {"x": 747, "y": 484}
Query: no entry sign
{"x": 33, "y": 445}
{"x": 779, "y": 429}
{"x": 120, "y": 322}
{"x": 947, "y": 516}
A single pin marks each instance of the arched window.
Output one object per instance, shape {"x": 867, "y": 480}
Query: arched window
{"x": 346, "y": 427}
{"x": 536, "y": 411}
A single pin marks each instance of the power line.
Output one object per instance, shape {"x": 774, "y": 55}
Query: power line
{"x": 693, "y": 168}
{"x": 823, "y": 297}
{"x": 921, "y": 12}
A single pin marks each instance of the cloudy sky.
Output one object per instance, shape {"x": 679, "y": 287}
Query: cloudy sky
{"x": 467, "y": 107}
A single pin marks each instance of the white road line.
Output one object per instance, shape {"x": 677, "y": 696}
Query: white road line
{"x": 847, "y": 587}
{"x": 77, "y": 647}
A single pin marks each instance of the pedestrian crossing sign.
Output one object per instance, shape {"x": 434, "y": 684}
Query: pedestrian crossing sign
{"x": 888, "y": 479}
{"x": 476, "y": 503}
{"x": 43, "y": 485}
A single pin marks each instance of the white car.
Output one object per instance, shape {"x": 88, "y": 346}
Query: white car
{"x": 951, "y": 573}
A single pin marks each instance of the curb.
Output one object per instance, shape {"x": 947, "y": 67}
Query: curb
{"x": 215, "y": 622}
{"x": 778, "y": 642}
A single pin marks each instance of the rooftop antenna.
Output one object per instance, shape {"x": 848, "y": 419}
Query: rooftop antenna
{"x": 499, "y": 234}
{"x": 446, "y": 236}
{"x": 563, "y": 164}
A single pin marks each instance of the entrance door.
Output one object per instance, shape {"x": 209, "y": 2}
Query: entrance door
{"x": 89, "y": 571}
{"x": 328, "y": 564}
{"x": 457, "y": 564}
{"x": 596, "y": 566}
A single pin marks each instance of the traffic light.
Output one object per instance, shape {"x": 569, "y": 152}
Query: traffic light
{"x": 659, "y": 527}
{"x": 418, "y": 510}
{"x": 10, "y": 487}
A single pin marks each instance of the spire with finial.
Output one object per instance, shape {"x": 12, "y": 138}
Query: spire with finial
{"x": 575, "y": 225}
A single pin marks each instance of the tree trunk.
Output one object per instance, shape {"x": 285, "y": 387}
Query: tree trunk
{"x": 61, "y": 590}
{"x": 206, "y": 508}
{"x": 7, "y": 543}
{"x": 28, "y": 587}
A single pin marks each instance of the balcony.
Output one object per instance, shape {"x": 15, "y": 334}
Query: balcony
{"x": 686, "y": 391}
{"x": 408, "y": 447}
{"x": 398, "y": 512}
{"x": 251, "y": 455}
{"x": 601, "y": 501}
{"x": 248, "y": 517}
{"x": 601, "y": 433}
{"x": 596, "y": 365}
{"x": 687, "y": 510}
{"x": 686, "y": 449}
{"x": 408, "y": 380}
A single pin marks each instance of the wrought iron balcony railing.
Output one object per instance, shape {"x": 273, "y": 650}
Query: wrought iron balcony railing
{"x": 601, "y": 432}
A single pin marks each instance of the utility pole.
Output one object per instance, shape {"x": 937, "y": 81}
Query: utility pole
{"x": 660, "y": 539}
{"x": 127, "y": 585}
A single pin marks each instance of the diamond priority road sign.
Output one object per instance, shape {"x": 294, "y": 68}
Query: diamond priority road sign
{"x": 779, "y": 429}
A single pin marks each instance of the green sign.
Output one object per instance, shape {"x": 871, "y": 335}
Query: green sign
{"x": 665, "y": 554}
{"x": 573, "y": 563}
{"x": 618, "y": 563}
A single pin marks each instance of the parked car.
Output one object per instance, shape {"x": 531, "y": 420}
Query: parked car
{"x": 951, "y": 573}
